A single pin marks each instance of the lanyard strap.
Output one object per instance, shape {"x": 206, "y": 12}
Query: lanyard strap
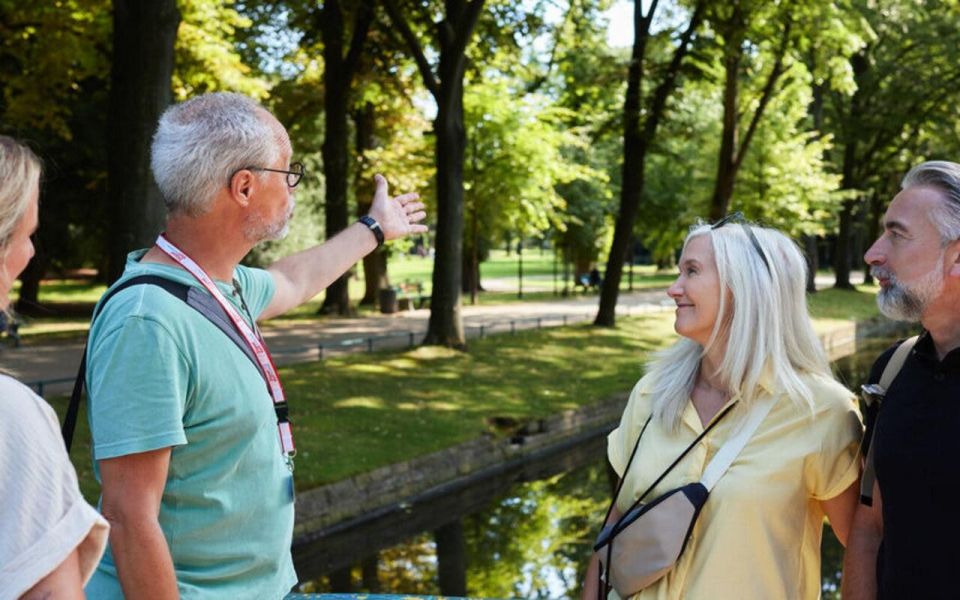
{"x": 267, "y": 368}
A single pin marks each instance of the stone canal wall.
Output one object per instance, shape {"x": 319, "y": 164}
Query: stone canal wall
{"x": 368, "y": 494}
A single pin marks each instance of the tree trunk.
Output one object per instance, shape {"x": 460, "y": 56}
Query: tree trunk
{"x": 336, "y": 82}
{"x": 451, "y": 559}
{"x": 874, "y": 214}
{"x": 341, "y": 580}
{"x": 446, "y": 320}
{"x": 813, "y": 261}
{"x": 369, "y": 574}
{"x": 471, "y": 274}
{"x": 453, "y": 36}
{"x": 28, "y": 301}
{"x": 635, "y": 144}
{"x": 726, "y": 164}
{"x": 143, "y": 39}
{"x": 634, "y": 154}
{"x": 841, "y": 254}
{"x": 374, "y": 264}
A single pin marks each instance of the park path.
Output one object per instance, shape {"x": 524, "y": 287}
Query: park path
{"x": 55, "y": 363}
{"x": 303, "y": 340}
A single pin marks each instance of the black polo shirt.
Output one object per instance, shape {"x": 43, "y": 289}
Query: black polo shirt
{"x": 917, "y": 460}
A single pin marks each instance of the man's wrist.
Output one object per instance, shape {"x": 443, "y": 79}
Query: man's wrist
{"x": 374, "y": 228}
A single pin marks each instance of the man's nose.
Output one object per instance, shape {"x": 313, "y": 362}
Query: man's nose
{"x": 874, "y": 254}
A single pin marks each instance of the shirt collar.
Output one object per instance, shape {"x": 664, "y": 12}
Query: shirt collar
{"x": 926, "y": 352}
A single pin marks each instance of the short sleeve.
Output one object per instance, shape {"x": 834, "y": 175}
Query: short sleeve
{"x": 621, "y": 440}
{"x": 257, "y": 287}
{"x": 138, "y": 384}
{"x": 43, "y": 517}
{"x": 836, "y": 465}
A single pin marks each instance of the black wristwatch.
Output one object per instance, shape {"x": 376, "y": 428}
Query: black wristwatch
{"x": 373, "y": 226}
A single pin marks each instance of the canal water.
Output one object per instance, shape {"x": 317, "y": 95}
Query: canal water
{"x": 526, "y": 533}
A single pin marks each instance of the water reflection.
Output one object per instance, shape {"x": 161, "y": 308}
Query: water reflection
{"x": 524, "y": 534}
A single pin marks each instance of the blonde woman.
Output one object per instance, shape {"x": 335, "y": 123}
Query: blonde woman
{"x": 50, "y": 539}
{"x": 745, "y": 336}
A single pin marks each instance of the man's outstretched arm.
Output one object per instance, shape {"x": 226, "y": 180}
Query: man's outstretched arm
{"x": 860, "y": 560}
{"x": 301, "y": 276}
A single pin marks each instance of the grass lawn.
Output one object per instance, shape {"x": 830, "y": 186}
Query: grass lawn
{"x": 358, "y": 412}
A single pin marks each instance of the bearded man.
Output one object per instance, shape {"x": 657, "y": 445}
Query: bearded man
{"x": 897, "y": 541}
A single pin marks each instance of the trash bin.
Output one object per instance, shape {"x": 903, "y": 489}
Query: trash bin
{"x": 388, "y": 300}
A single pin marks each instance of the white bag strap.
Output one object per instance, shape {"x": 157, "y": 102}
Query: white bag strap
{"x": 732, "y": 447}
{"x": 890, "y": 373}
{"x": 899, "y": 357}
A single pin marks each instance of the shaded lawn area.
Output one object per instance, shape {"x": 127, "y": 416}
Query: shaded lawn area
{"x": 358, "y": 412}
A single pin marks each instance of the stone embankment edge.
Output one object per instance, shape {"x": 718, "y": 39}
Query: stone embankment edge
{"x": 372, "y": 492}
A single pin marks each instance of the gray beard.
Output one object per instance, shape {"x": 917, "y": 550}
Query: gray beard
{"x": 261, "y": 231}
{"x": 902, "y": 303}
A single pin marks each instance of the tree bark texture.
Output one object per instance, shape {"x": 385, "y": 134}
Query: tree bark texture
{"x": 337, "y": 77}
{"x": 813, "y": 261}
{"x": 374, "y": 264}
{"x": 143, "y": 40}
{"x": 453, "y": 34}
{"x": 850, "y": 180}
{"x": 635, "y": 145}
{"x": 726, "y": 164}
{"x": 733, "y": 148}
{"x": 445, "y": 327}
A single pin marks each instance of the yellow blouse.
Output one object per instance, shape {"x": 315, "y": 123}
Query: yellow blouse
{"x": 758, "y": 535}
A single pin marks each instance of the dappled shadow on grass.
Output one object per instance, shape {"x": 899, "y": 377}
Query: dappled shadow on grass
{"x": 354, "y": 413}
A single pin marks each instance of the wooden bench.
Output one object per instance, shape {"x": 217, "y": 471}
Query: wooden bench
{"x": 411, "y": 296}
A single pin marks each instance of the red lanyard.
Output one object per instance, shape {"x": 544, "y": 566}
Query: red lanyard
{"x": 253, "y": 340}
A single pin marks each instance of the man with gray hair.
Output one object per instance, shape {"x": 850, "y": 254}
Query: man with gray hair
{"x": 899, "y": 544}
{"x": 191, "y": 440}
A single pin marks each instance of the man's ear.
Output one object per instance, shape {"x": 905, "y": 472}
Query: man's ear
{"x": 952, "y": 255}
{"x": 242, "y": 186}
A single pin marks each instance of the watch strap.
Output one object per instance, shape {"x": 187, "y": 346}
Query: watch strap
{"x": 373, "y": 226}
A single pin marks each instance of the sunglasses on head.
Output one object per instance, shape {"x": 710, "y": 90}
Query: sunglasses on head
{"x": 737, "y": 217}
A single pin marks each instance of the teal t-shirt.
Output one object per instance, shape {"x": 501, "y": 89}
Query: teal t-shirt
{"x": 160, "y": 375}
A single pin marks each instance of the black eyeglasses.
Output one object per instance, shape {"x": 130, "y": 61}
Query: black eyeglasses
{"x": 294, "y": 175}
{"x": 737, "y": 217}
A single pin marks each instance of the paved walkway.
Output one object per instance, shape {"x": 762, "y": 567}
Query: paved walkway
{"x": 306, "y": 340}
{"x": 297, "y": 341}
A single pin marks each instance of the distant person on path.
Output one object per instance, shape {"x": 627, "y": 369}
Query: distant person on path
{"x": 746, "y": 342}
{"x": 190, "y": 437}
{"x": 903, "y": 540}
{"x": 50, "y": 538}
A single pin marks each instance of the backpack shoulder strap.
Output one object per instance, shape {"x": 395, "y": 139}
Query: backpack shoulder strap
{"x": 203, "y": 303}
{"x": 890, "y": 372}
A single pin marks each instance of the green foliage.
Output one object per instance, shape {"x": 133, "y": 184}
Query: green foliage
{"x": 588, "y": 83}
{"x": 514, "y": 161}
{"x": 47, "y": 51}
{"x": 208, "y": 58}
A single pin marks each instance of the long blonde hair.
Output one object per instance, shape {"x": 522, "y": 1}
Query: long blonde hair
{"x": 763, "y": 324}
{"x": 19, "y": 176}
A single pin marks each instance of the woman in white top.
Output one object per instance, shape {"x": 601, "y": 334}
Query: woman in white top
{"x": 50, "y": 538}
{"x": 746, "y": 335}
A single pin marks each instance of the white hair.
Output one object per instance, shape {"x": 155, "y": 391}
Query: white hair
{"x": 200, "y": 143}
{"x": 762, "y": 322}
{"x": 943, "y": 176}
{"x": 19, "y": 178}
